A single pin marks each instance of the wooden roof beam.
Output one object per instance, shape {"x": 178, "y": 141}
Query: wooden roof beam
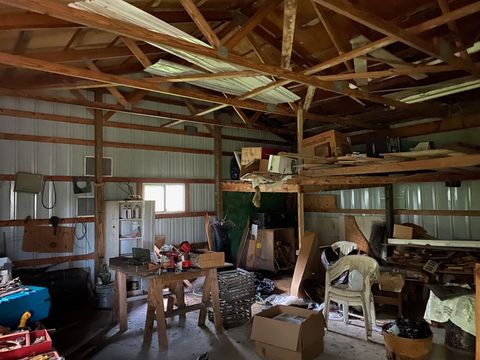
{"x": 376, "y": 23}
{"x": 136, "y": 51}
{"x": 289, "y": 18}
{"x": 201, "y": 23}
{"x": 255, "y": 20}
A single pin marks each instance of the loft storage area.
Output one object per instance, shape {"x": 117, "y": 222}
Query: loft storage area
{"x": 212, "y": 179}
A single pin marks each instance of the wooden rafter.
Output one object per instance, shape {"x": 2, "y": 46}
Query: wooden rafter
{"x": 307, "y": 102}
{"x": 79, "y": 96}
{"x": 133, "y": 31}
{"x": 112, "y": 89}
{"x": 376, "y": 23}
{"x": 330, "y": 31}
{"x": 289, "y": 17}
{"x": 443, "y": 4}
{"x": 32, "y": 21}
{"x": 420, "y": 69}
{"x": 76, "y": 38}
{"x": 378, "y": 44}
{"x": 136, "y": 51}
{"x": 201, "y": 23}
{"x": 255, "y": 20}
{"x": 133, "y": 99}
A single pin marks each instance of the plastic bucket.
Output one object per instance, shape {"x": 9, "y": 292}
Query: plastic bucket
{"x": 399, "y": 348}
{"x": 104, "y": 296}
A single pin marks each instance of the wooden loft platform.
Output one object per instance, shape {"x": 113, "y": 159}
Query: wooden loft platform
{"x": 445, "y": 169}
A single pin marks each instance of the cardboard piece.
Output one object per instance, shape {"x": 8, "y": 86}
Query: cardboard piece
{"x": 254, "y": 166}
{"x": 251, "y": 255}
{"x": 256, "y": 153}
{"x": 207, "y": 259}
{"x": 47, "y": 239}
{"x": 287, "y": 332}
{"x": 304, "y": 263}
{"x": 267, "y": 257}
{"x": 402, "y": 232}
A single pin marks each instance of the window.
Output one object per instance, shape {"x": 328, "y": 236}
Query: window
{"x": 167, "y": 197}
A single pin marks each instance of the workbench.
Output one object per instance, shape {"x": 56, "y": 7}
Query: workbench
{"x": 155, "y": 306}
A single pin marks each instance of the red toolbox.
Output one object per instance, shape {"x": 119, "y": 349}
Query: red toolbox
{"x": 26, "y": 344}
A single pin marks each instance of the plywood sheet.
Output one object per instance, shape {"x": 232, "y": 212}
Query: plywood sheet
{"x": 320, "y": 202}
{"x": 47, "y": 239}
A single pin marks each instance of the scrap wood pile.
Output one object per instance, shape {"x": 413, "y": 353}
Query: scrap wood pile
{"x": 330, "y": 154}
{"x": 435, "y": 260}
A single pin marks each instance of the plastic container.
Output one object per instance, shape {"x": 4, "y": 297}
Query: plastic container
{"x": 104, "y": 296}
{"x": 35, "y": 299}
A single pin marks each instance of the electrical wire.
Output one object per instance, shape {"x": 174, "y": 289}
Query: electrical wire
{"x": 54, "y": 196}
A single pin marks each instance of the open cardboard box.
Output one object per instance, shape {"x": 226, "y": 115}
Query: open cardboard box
{"x": 207, "y": 259}
{"x": 288, "y": 333}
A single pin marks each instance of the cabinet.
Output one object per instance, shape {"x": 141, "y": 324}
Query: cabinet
{"x": 129, "y": 224}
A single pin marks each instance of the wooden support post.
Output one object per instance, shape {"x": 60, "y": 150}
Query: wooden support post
{"x": 217, "y": 135}
{"x": 300, "y": 209}
{"x": 477, "y": 308}
{"x": 389, "y": 210}
{"x": 99, "y": 189}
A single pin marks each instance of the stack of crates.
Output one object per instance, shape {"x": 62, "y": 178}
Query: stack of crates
{"x": 237, "y": 295}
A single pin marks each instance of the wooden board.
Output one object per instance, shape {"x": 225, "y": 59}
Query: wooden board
{"x": 320, "y": 202}
{"x": 354, "y": 234}
{"x": 304, "y": 262}
{"x": 45, "y": 239}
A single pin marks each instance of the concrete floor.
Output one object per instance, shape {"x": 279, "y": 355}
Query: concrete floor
{"x": 187, "y": 341}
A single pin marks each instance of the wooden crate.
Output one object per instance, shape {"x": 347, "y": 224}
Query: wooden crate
{"x": 327, "y": 144}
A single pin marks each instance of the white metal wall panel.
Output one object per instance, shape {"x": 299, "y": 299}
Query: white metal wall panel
{"x": 177, "y": 230}
{"x": 202, "y": 197}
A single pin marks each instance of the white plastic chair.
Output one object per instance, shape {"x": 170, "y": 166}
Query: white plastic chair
{"x": 345, "y": 247}
{"x": 369, "y": 269}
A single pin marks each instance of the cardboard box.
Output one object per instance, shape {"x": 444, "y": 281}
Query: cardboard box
{"x": 207, "y": 259}
{"x": 402, "y": 232}
{"x": 256, "y": 153}
{"x": 288, "y": 333}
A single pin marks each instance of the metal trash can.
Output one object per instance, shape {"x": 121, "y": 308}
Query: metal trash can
{"x": 104, "y": 296}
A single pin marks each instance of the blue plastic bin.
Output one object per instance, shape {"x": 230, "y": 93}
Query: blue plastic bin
{"x": 36, "y": 300}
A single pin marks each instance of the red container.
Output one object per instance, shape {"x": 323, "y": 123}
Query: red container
{"x": 43, "y": 346}
{"x": 28, "y": 348}
{"x": 16, "y": 353}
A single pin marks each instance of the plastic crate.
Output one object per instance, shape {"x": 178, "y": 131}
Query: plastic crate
{"x": 236, "y": 285}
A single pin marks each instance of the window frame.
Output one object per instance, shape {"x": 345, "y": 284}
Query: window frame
{"x": 165, "y": 184}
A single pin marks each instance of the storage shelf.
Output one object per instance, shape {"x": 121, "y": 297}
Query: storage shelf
{"x": 130, "y": 238}
{"x": 133, "y": 219}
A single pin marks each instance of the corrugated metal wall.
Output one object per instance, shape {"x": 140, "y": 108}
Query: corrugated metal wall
{"x": 426, "y": 196}
{"x": 60, "y": 159}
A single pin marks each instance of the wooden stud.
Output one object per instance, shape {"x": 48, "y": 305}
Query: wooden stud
{"x": 217, "y": 136}
{"x": 300, "y": 196}
{"x": 51, "y": 260}
{"x": 99, "y": 189}
{"x": 389, "y": 210}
